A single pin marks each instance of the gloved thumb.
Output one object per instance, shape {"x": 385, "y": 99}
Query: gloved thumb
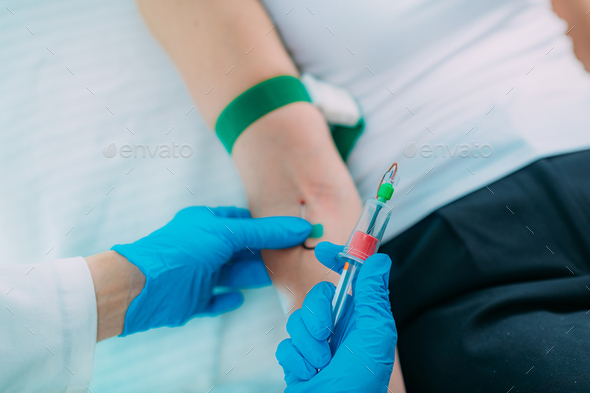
{"x": 327, "y": 254}
{"x": 268, "y": 233}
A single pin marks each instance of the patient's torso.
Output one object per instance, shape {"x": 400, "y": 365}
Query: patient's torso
{"x": 454, "y": 74}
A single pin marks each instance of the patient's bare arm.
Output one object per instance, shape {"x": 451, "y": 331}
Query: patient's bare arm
{"x": 285, "y": 158}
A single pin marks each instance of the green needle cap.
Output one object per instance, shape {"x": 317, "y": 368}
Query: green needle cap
{"x": 385, "y": 192}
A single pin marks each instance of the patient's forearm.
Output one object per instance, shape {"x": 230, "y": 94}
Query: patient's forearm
{"x": 288, "y": 158}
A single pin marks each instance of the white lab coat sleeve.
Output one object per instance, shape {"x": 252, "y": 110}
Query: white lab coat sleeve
{"x": 47, "y": 327}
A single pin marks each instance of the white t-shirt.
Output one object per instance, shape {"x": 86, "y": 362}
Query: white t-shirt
{"x": 492, "y": 79}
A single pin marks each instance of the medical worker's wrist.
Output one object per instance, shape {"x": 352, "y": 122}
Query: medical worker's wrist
{"x": 116, "y": 283}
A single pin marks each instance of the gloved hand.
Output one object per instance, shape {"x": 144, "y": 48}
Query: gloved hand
{"x": 360, "y": 355}
{"x": 198, "y": 250}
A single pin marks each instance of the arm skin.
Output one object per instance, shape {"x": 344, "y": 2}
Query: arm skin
{"x": 575, "y": 13}
{"x": 285, "y": 158}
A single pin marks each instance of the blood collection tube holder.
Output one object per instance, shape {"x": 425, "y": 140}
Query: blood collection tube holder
{"x": 362, "y": 243}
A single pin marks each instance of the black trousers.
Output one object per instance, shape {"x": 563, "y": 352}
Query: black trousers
{"x": 492, "y": 292}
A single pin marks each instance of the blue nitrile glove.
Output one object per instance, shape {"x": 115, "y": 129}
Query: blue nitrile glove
{"x": 198, "y": 250}
{"x": 360, "y": 356}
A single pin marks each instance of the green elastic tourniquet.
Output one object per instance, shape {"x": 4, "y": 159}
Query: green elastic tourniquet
{"x": 345, "y": 137}
{"x": 256, "y": 102}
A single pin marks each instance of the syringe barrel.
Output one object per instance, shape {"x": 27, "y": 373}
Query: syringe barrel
{"x": 368, "y": 232}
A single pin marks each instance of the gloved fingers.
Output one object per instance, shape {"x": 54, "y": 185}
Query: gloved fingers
{"x": 316, "y": 352}
{"x": 371, "y": 297}
{"x": 229, "y": 212}
{"x": 245, "y": 273}
{"x": 246, "y": 255}
{"x": 316, "y": 311}
{"x": 219, "y": 212}
{"x": 267, "y": 233}
{"x": 327, "y": 254}
{"x": 294, "y": 364}
{"x": 224, "y": 302}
